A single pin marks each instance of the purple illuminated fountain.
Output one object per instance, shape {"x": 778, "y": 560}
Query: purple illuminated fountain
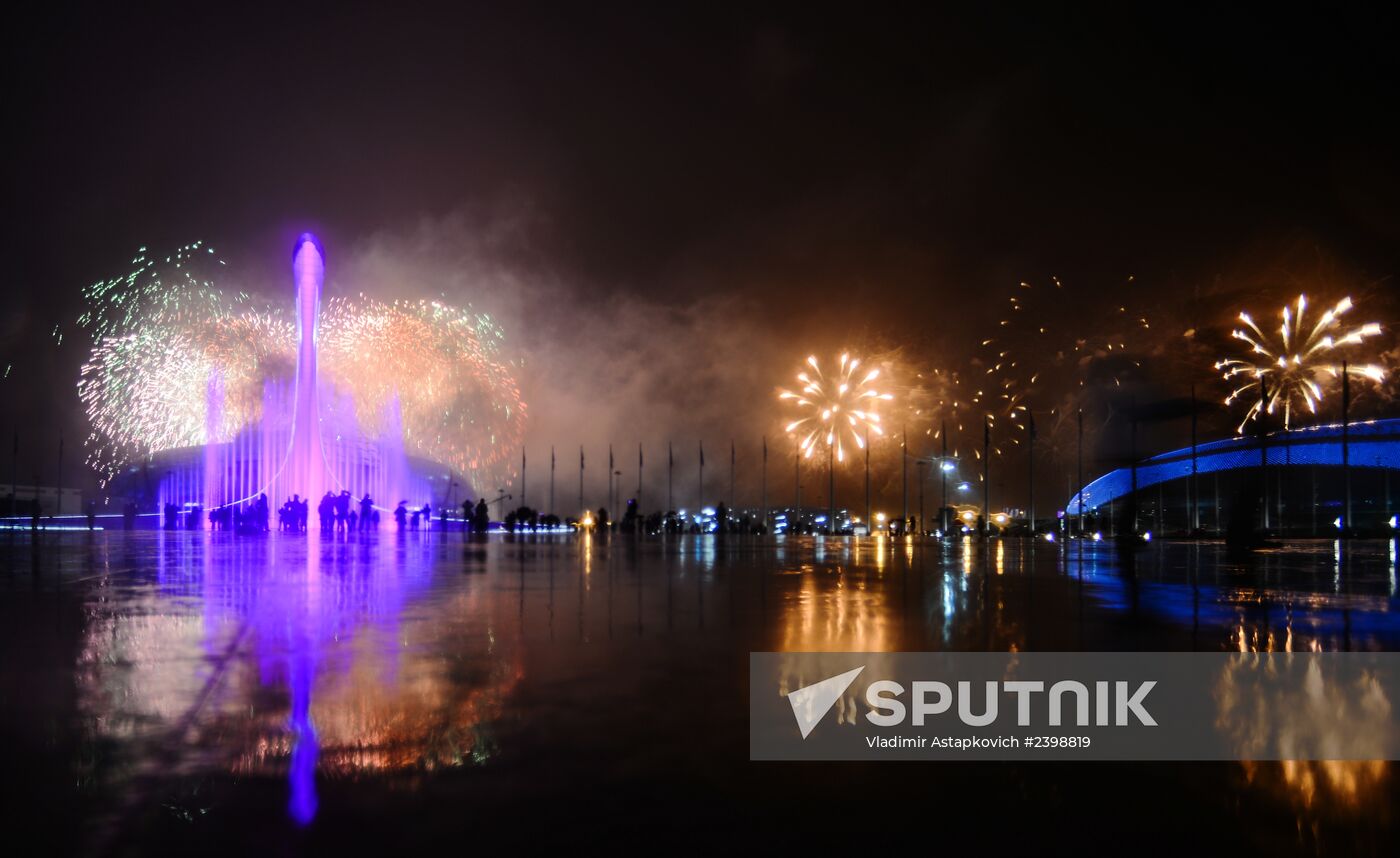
{"x": 309, "y": 439}
{"x": 306, "y": 465}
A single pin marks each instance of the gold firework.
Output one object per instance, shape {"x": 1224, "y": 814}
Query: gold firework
{"x": 839, "y": 410}
{"x": 1291, "y": 369}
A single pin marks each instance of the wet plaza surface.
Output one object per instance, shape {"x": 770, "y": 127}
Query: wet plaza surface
{"x": 211, "y": 693}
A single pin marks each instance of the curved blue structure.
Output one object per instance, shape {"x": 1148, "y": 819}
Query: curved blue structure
{"x": 1372, "y": 444}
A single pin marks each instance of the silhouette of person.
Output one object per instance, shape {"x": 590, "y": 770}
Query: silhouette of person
{"x": 342, "y": 510}
{"x": 325, "y": 509}
{"x": 366, "y": 511}
{"x": 400, "y": 514}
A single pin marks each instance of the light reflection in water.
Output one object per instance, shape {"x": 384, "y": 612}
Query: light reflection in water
{"x": 1323, "y": 788}
{"x": 1336, "y": 565}
{"x": 834, "y": 610}
{"x": 1391, "y": 549}
{"x": 842, "y": 609}
{"x": 312, "y": 655}
{"x": 339, "y": 662}
{"x": 1315, "y": 789}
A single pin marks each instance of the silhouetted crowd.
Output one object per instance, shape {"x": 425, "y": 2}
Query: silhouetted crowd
{"x": 337, "y": 513}
{"x": 478, "y": 518}
{"x": 342, "y": 513}
{"x": 254, "y": 516}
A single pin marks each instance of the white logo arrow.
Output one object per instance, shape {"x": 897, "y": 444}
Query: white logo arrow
{"x": 811, "y": 703}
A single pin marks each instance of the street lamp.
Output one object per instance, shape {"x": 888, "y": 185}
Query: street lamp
{"x": 946, "y": 465}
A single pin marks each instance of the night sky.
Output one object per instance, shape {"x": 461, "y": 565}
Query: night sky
{"x": 900, "y": 160}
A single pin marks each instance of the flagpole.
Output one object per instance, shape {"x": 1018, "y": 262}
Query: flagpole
{"x": 522, "y": 477}
{"x": 1346, "y": 451}
{"x": 551, "y": 479}
{"x": 580, "y": 480}
{"x": 942, "y": 511}
{"x": 700, "y": 500}
{"x": 1030, "y": 466}
{"x": 639, "y": 478}
{"x": 904, "y": 475}
{"x": 1194, "y": 520}
{"x": 731, "y": 474}
{"x": 764, "y": 522}
{"x": 797, "y": 473}
{"x": 986, "y": 477}
{"x": 1079, "y": 475}
{"x": 868, "y": 523}
{"x": 670, "y": 478}
{"x": 830, "y": 489}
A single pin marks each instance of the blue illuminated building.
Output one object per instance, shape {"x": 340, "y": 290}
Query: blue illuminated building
{"x": 1293, "y": 479}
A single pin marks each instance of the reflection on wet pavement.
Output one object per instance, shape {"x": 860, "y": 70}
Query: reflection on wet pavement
{"x": 208, "y": 679}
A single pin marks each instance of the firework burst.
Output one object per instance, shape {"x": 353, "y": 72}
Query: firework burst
{"x": 167, "y": 340}
{"x": 838, "y": 410}
{"x": 1290, "y": 369}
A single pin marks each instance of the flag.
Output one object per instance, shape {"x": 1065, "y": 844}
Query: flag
{"x": 1031, "y": 415}
{"x": 670, "y": 455}
{"x": 702, "y": 454}
{"x": 765, "y": 449}
{"x": 580, "y": 457}
{"x": 610, "y": 459}
{"x": 551, "y": 457}
{"x": 639, "y": 455}
{"x": 731, "y": 453}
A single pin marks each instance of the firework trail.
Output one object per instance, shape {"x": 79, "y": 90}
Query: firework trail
{"x": 1290, "y": 369}
{"x": 1032, "y": 362}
